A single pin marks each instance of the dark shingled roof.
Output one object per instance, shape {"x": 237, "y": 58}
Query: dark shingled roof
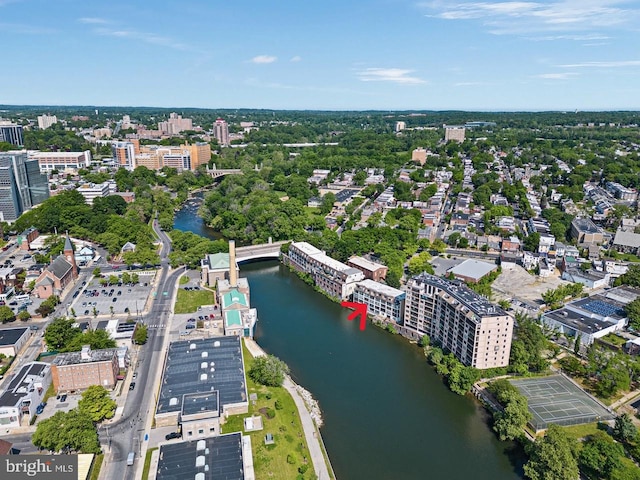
{"x": 60, "y": 267}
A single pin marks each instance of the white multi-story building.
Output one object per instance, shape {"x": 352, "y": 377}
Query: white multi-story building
{"x": 476, "y": 331}
{"x": 45, "y": 121}
{"x": 330, "y": 275}
{"x": 380, "y": 299}
{"x": 454, "y": 133}
{"x": 91, "y": 191}
{"x": 24, "y": 393}
{"x": 61, "y": 161}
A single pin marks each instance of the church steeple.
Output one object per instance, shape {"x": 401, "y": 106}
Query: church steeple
{"x": 69, "y": 254}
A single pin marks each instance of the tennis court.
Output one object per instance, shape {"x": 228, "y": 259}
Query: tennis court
{"x": 555, "y": 399}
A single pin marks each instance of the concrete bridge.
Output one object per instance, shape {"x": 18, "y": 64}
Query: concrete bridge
{"x": 258, "y": 252}
{"x": 215, "y": 173}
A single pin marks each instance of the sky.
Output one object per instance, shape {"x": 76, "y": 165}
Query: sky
{"x": 323, "y": 55}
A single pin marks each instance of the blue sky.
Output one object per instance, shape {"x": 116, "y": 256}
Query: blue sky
{"x": 329, "y": 54}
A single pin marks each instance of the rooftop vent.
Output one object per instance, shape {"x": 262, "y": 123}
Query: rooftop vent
{"x": 216, "y": 343}
{"x": 203, "y": 365}
{"x": 201, "y": 445}
{"x": 192, "y": 346}
{"x": 173, "y": 401}
{"x": 204, "y": 354}
{"x": 203, "y": 377}
{"x": 200, "y": 460}
{"x": 200, "y": 476}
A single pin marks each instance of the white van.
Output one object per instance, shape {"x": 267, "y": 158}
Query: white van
{"x": 130, "y": 458}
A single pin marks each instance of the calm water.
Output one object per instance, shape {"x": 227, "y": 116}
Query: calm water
{"x": 387, "y": 414}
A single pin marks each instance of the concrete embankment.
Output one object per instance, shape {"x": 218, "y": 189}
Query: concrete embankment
{"x": 309, "y": 412}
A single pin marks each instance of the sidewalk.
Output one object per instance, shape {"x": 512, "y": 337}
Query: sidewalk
{"x": 310, "y": 433}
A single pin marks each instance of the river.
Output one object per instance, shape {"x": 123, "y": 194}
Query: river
{"x": 387, "y": 414}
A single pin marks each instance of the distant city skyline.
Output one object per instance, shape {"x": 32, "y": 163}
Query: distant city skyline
{"x": 331, "y": 55}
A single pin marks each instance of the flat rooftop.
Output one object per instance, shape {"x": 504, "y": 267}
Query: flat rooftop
{"x": 184, "y": 373}
{"x": 195, "y": 403}
{"x": 580, "y": 322}
{"x": 22, "y": 383}
{"x": 9, "y": 336}
{"x": 216, "y": 458}
{"x": 473, "y": 269}
{"x": 380, "y": 288}
{"x": 366, "y": 264}
{"x": 467, "y": 297}
{"x": 585, "y": 225}
{"x": 74, "y": 358}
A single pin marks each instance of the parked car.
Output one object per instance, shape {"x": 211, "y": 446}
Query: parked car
{"x": 63, "y": 398}
{"x": 134, "y": 376}
{"x": 40, "y": 408}
{"x": 172, "y": 435}
{"x": 132, "y": 385}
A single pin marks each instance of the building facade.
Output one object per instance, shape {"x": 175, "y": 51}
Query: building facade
{"x": 371, "y": 270}
{"x": 22, "y": 186}
{"x": 454, "y": 133}
{"x": 124, "y": 154}
{"x": 61, "y": 161}
{"x": 381, "y": 300}
{"x": 477, "y": 332}
{"x": 333, "y": 277}
{"x": 76, "y": 371}
{"x": 11, "y": 133}
{"x": 61, "y": 272}
{"x": 45, "y": 121}
{"x": 13, "y": 339}
{"x": 221, "y": 132}
{"x": 24, "y": 393}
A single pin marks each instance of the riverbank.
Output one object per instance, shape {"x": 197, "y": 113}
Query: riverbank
{"x": 311, "y": 433}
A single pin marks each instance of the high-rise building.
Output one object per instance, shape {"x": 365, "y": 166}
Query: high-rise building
{"x": 476, "y": 331}
{"x": 221, "y": 132}
{"x": 200, "y": 154}
{"x": 175, "y": 124}
{"x": 45, "y": 121}
{"x": 124, "y": 154}
{"x": 11, "y": 133}
{"x": 400, "y": 126}
{"x": 22, "y": 186}
{"x": 454, "y": 133}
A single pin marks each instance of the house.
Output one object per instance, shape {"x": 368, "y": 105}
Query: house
{"x": 84, "y": 255}
{"x": 627, "y": 241}
{"x": 372, "y": 270}
{"x": 59, "y": 274}
{"x": 589, "y": 278}
{"x": 511, "y": 244}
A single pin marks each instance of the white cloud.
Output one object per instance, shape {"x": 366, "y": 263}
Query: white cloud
{"x": 522, "y": 17}
{"x": 395, "y": 75}
{"x": 145, "y": 37}
{"x": 557, "y": 76}
{"x": 261, "y": 59}
{"x": 614, "y": 64}
{"x": 93, "y": 20}
{"x": 296, "y": 58}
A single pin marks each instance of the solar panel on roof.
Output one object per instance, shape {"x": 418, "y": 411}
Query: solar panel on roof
{"x": 603, "y": 308}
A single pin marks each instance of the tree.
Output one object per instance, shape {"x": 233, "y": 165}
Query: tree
{"x": 600, "y": 456}
{"x": 70, "y": 431}
{"x": 420, "y": 263}
{"x": 6, "y": 314}
{"x": 96, "y": 403}
{"x": 268, "y": 370}
{"x": 96, "y": 272}
{"x": 632, "y": 309}
{"x": 611, "y": 379}
{"x": 509, "y": 424}
{"x": 624, "y": 430}
{"x": 24, "y": 315}
{"x": 553, "y": 457}
{"x": 424, "y": 341}
{"x": 59, "y": 333}
{"x": 140, "y": 335}
{"x": 96, "y": 339}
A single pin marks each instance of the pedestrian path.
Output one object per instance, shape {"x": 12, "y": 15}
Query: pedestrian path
{"x": 310, "y": 432}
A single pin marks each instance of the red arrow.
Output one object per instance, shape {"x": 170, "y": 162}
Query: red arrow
{"x": 359, "y": 309}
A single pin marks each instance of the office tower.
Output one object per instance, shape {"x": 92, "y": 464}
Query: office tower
{"x": 11, "y": 133}
{"x": 124, "y": 154}
{"x": 22, "y": 186}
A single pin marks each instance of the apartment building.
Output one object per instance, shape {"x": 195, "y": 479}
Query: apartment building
{"x": 200, "y": 153}
{"x": 61, "y": 161}
{"x": 45, "y": 121}
{"x": 333, "y": 277}
{"x": 79, "y": 370}
{"x": 175, "y": 124}
{"x": 221, "y": 132}
{"x": 585, "y": 231}
{"x": 381, "y": 300}
{"x": 476, "y": 331}
{"x": 454, "y": 133}
{"x": 371, "y": 270}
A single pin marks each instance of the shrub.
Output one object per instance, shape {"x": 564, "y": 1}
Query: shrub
{"x": 291, "y": 459}
{"x": 271, "y": 413}
{"x": 303, "y": 468}
{"x": 278, "y": 405}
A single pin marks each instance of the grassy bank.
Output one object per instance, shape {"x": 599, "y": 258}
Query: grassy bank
{"x": 289, "y": 455}
{"x": 147, "y": 463}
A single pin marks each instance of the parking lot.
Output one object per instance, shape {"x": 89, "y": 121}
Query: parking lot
{"x": 55, "y": 405}
{"x": 95, "y": 300}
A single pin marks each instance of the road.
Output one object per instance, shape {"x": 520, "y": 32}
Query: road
{"x": 127, "y": 433}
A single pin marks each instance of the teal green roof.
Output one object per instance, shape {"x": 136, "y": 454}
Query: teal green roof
{"x": 232, "y": 318}
{"x": 218, "y": 261}
{"x": 234, "y": 297}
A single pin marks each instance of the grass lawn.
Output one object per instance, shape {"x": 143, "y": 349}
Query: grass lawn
{"x": 184, "y": 280}
{"x": 188, "y": 301}
{"x": 614, "y": 339}
{"x": 95, "y": 468}
{"x": 282, "y": 459}
{"x": 581, "y": 431}
{"x": 147, "y": 463}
